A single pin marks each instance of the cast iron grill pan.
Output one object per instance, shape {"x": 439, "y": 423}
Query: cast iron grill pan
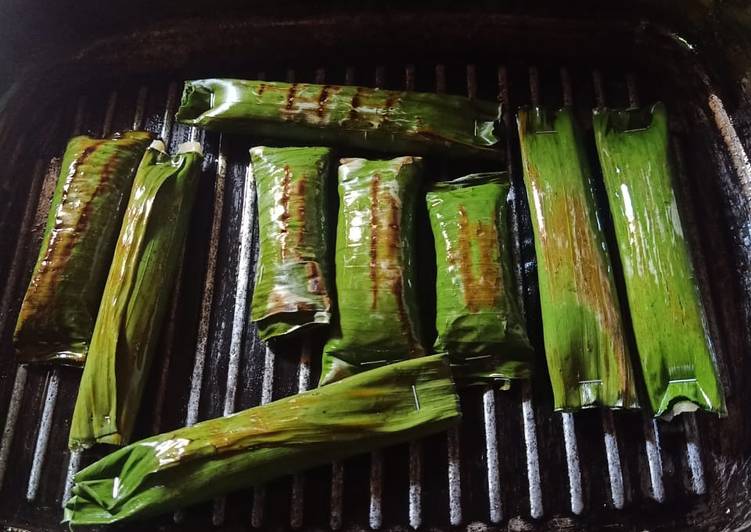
{"x": 512, "y": 464}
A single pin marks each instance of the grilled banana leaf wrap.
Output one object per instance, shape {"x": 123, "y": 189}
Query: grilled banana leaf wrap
{"x": 60, "y": 306}
{"x": 139, "y": 287}
{"x": 374, "y": 409}
{"x": 478, "y": 319}
{"x": 292, "y": 277}
{"x": 374, "y": 119}
{"x": 672, "y": 338}
{"x": 585, "y": 345}
{"x": 375, "y": 267}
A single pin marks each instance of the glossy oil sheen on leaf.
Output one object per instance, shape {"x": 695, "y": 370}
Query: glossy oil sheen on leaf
{"x": 477, "y": 314}
{"x": 60, "y": 305}
{"x": 377, "y": 408}
{"x": 139, "y": 287}
{"x": 375, "y": 267}
{"x": 674, "y": 348}
{"x": 291, "y": 290}
{"x": 585, "y": 344}
{"x": 374, "y": 119}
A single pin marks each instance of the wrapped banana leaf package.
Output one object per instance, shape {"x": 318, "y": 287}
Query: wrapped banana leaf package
{"x": 375, "y": 267}
{"x": 374, "y": 119}
{"x": 60, "y": 305}
{"x": 676, "y": 354}
{"x": 585, "y": 345}
{"x": 137, "y": 292}
{"x": 377, "y": 408}
{"x": 292, "y": 277}
{"x": 478, "y": 319}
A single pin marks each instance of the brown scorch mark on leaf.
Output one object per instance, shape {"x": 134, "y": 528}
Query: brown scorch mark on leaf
{"x": 582, "y": 247}
{"x": 291, "y": 95}
{"x": 295, "y": 250}
{"x": 481, "y": 291}
{"x": 389, "y": 104}
{"x": 491, "y": 286}
{"x": 299, "y": 199}
{"x": 465, "y": 258}
{"x": 106, "y": 174}
{"x": 374, "y": 193}
{"x": 353, "y": 113}
{"x": 284, "y": 216}
{"x": 398, "y": 290}
{"x": 316, "y": 284}
{"x": 261, "y": 89}
{"x": 279, "y": 302}
{"x": 57, "y": 254}
{"x": 488, "y": 286}
{"x": 322, "y": 99}
{"x": 396, "y": 262}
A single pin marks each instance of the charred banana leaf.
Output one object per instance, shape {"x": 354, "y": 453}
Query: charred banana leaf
{"x": 375, "y": 267}
{"x": 139, "y": 286}
{"x": 377, "y": 408}
{"x": 291, "y": 288}
{"x": 477, "y": 313}
{"x": 60, "y": 306}
{"x": 376, "y": 119}
{"x": 677, "y": 357}
{"x": 585, "y": 345}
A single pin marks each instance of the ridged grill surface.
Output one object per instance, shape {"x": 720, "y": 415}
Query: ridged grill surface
{"x": 512, "y": 462}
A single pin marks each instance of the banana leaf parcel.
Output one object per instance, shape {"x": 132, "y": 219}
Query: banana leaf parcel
{"x": 374, "y": 119}
{"x": 375, "y": 267}
{"x": 138, "y": 289}
{"x": 477, "y": 313}
{"x": 585, "y": 345}
{"x": 381, "y": 407}
{"x": 292, "y": 277}
{"x": 60, "y": 305}
{"x": 677, "y": 357}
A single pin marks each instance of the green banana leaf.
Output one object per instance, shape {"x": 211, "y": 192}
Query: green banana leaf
{"x": 292, "y": 277}
{"x": 585, "y": 344}
{"x": 477, "y": 313}
{"x": 60, "y": 305}
{"x": 138, "y": 289}
{"x": 380, "y": 407}
{"x": 375, "y": 267}
{"x": 375, "y": 119}
{"x": 671, "y": 334}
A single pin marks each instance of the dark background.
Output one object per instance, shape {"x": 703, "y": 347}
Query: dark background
{"x": 33, "y": 31}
